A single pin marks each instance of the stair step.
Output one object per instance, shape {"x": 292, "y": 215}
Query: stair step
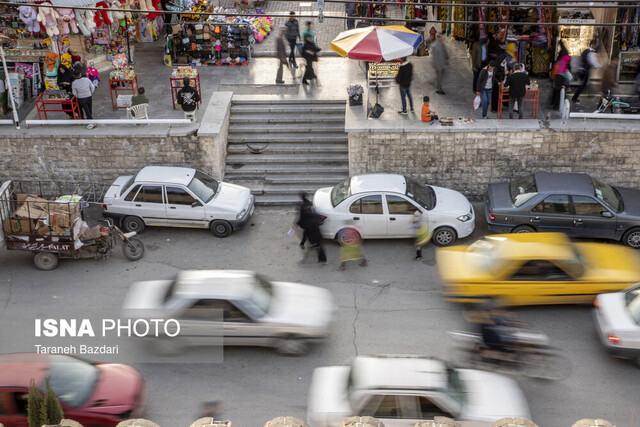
{"x": 286, "y": 118}
{"x": 280, "y": 101}
{"x": 304, "y": 128}
{"x": 274, "y": 170}
{"x": 294, "y": 108}
{"x": 292, "y": 180}
{"x": 288, "y": 137}
{"x": 279, "y": 200}
{"x": 328, "y": 180}
{"x": 287, "y": 158}
{"x": 276, "y": 148}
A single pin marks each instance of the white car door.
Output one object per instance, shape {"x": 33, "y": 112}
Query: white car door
{"x": 149, "y": 205}
{"x": 394, "y": 410}
{"x": 401, "y": 215}
{"x": 367, "y": 213}
{"x": 183, "y": 209}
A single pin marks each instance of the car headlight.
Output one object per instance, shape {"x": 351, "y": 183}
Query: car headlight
{"x": 464, "y": 218}
{"x": 241, "y": 214}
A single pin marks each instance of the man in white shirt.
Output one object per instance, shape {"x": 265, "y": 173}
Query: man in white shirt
{"x": 82, "y": 89}
{"x": 589, "y": 61}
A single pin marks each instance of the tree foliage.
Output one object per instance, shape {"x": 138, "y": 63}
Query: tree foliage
{"x": 34, "y": 405}
{"x": 51, "y": 410}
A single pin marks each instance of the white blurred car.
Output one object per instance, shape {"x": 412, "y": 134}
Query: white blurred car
{"x": 253, "y": 310}
{"x": 617, "y": 317}
{"x": 402, "y": 390}
{"x": 381, "y": 206}
{"x": 178, "y": 197}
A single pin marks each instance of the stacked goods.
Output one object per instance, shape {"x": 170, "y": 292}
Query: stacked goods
{"x": 34, "y": 215}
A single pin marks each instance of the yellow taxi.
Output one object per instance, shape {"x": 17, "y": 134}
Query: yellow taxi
{"x": 535, "y": 268}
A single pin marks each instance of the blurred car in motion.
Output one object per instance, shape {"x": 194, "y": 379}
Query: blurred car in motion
{"x": 253, "y": 310}
{"x": 534, "y": 268}
{"x": 617, "y": 317}
{"x": 573, "y": 203}
{"x": 93, "y": 394}
{"x": 402, "y": 390}
{"x": 178, "y": 197}
{"x": 382, "y": 206}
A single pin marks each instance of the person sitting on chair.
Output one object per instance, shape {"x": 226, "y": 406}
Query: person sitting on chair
{"x": 188, "y": 97}
{"x": 140, "y": 98}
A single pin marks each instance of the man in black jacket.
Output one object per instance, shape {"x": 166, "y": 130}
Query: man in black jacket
{"x": 517, "y": 83}
{"x": 403, "y": 78}
{"x": 188, "y": 97}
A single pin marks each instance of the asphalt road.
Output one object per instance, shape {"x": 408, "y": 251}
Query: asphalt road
{"x": 393, "y": 306}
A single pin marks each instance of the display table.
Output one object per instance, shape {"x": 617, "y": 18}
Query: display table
{"x": 176, "y": 84}
{"x": 44, "y": 104}
{"x": 382, "y": 74}
{"x": 122, "y": 85}
{"x": 532, "y": 95}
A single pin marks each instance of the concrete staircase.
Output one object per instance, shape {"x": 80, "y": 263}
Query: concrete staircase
{"x": 280, "y": 148}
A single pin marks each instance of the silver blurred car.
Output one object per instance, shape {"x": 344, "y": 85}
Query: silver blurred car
{"x": 402, "y": 390}
{"x": 253, "y": 310}
{"x": 617, "y": 317}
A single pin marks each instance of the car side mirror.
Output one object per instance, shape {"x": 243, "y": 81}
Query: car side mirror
{"x": 606, "y": 214}
{"x": 196, "y": 204}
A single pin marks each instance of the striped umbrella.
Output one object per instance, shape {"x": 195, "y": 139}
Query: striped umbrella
{"x": 376, "y": 44}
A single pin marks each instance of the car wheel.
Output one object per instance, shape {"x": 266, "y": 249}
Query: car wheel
{"x": 291, "y": 346}
{"x": 221, "y": 228}
{"x": 133, "y": 223}
{"x": 45, "y": 261}
{"x": 523, "y": 229}
{"x": 444, "y": 236}
{"x": 632, "y": 238}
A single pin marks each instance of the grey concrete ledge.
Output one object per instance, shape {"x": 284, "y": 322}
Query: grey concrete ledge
{"x": 594, "y": 125}
{"x": 216, "y": 114}
{"x": 142, "y": 131}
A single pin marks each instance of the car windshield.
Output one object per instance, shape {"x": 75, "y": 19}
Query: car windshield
{"x": 203, "y": 186}
{"x": 262, "y": 294}
{"x": 632, "y": 301}
{"x": 72, "y": 380}
{"x": 455, "y": 388}
{"x": 607, "y": 194}
{"x": 340, "y": 192}
{"x": 522, "y": 189}
{"x": 420, "y": 193}
{"x": 487, "y": 249}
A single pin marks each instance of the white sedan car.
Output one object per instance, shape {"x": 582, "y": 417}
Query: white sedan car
{"x": 403, "y": 390}
{"x": 617, "y": 317}
{"x": 381, "y": 206}
{"x": 253, "y": 310}
{"x": 178, "y": 197}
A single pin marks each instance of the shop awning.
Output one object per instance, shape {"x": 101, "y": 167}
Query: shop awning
{"x": 60, "y": 3}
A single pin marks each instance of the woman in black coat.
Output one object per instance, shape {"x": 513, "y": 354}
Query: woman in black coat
{"x": 310, "y": 54}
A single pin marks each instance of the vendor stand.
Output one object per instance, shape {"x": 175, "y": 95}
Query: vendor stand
{"x": 60, "y": 100}
{"x": 122, "y": 79}
{"x": 176, "y": 78}
{"x": 532, "y": 95}
{"x": 382, "y": 74}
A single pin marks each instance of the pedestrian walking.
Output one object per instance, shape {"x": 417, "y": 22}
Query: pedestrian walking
{"x": 350, "y": 247}
{"x": 310, "y": 223}
{"x": 310, "y": 55}
{"x": 281, "y": 54}
{"x": 308, "y": 31}
{"x": 479, "y": 55}
{"x": 403, "y": 78}
{"x": 589, "y": 61}
{"x": 304, "y": 213}
{"x": 64, "y": 80}
{"x": 484, "y": 86}
{"x": 517, "y": 83}
{"x": 188, "y": 96}
{"x": 440, "y": 61}
{"x": 83, "y": 89}
{"x": 351, "y": 9}
{"x": 293, "y": 34}
{"x": 422, "y": 233}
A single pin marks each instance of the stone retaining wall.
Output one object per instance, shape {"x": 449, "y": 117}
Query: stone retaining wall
{"x": 467, "y": 161}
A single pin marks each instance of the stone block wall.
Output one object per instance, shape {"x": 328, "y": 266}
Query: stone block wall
{"x": 102, "y": 159}
{"x": 468, "y": 161}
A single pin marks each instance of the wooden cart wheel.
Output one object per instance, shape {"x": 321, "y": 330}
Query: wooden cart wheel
{"x": 46, "y": 261}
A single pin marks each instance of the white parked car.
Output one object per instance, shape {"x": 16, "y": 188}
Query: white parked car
{"x": 254, "y": 311}
{"x": 178, "y": 197}
{"x": 402, "y": 390}
{"x": 381, "y": 206}
{"x": 617, "y": 317}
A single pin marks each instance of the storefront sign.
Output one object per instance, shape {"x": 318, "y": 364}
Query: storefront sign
{"x": 567, "y": 21}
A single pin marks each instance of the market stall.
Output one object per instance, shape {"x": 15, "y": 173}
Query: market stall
{"x": 532, "y": 96}
{"x": 122, "y": 79}
{"x": 176, "y": 82}
{"x": 57, "y": 100}
{"x": 382, "y": 74}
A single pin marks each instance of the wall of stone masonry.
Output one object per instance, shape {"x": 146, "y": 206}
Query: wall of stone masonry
{"x": 467, "y": 161}
{"x": 102, "y": 159}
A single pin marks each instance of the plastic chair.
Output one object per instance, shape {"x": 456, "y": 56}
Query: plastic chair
{"x": 191, "y": 115}
{"x": 138, "y": 112}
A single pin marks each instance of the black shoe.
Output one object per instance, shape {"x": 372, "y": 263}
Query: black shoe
{"x": 441, "y": 92}
{"x": 402, "y": 112}
{"x": 280, "y": 82}
{"x": 417, "y": 258}
{"x": 304, "y": 82}
{"x": 576, "y": 100}
{"x": 412, "y": 110}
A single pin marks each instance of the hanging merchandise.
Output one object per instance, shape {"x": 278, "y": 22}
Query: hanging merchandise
{"x": 29, "y": 16}
{"x": 48, "y": 16}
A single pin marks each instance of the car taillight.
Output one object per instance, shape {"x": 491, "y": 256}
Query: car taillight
{"x": 596, "y": 304}
{"x": 492, "y": 217}
{"x": 104, "y": 206}
{"x": 323, "y": 217}
{"x": 104, "y": 231}
{"x": 614, "y": 339}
